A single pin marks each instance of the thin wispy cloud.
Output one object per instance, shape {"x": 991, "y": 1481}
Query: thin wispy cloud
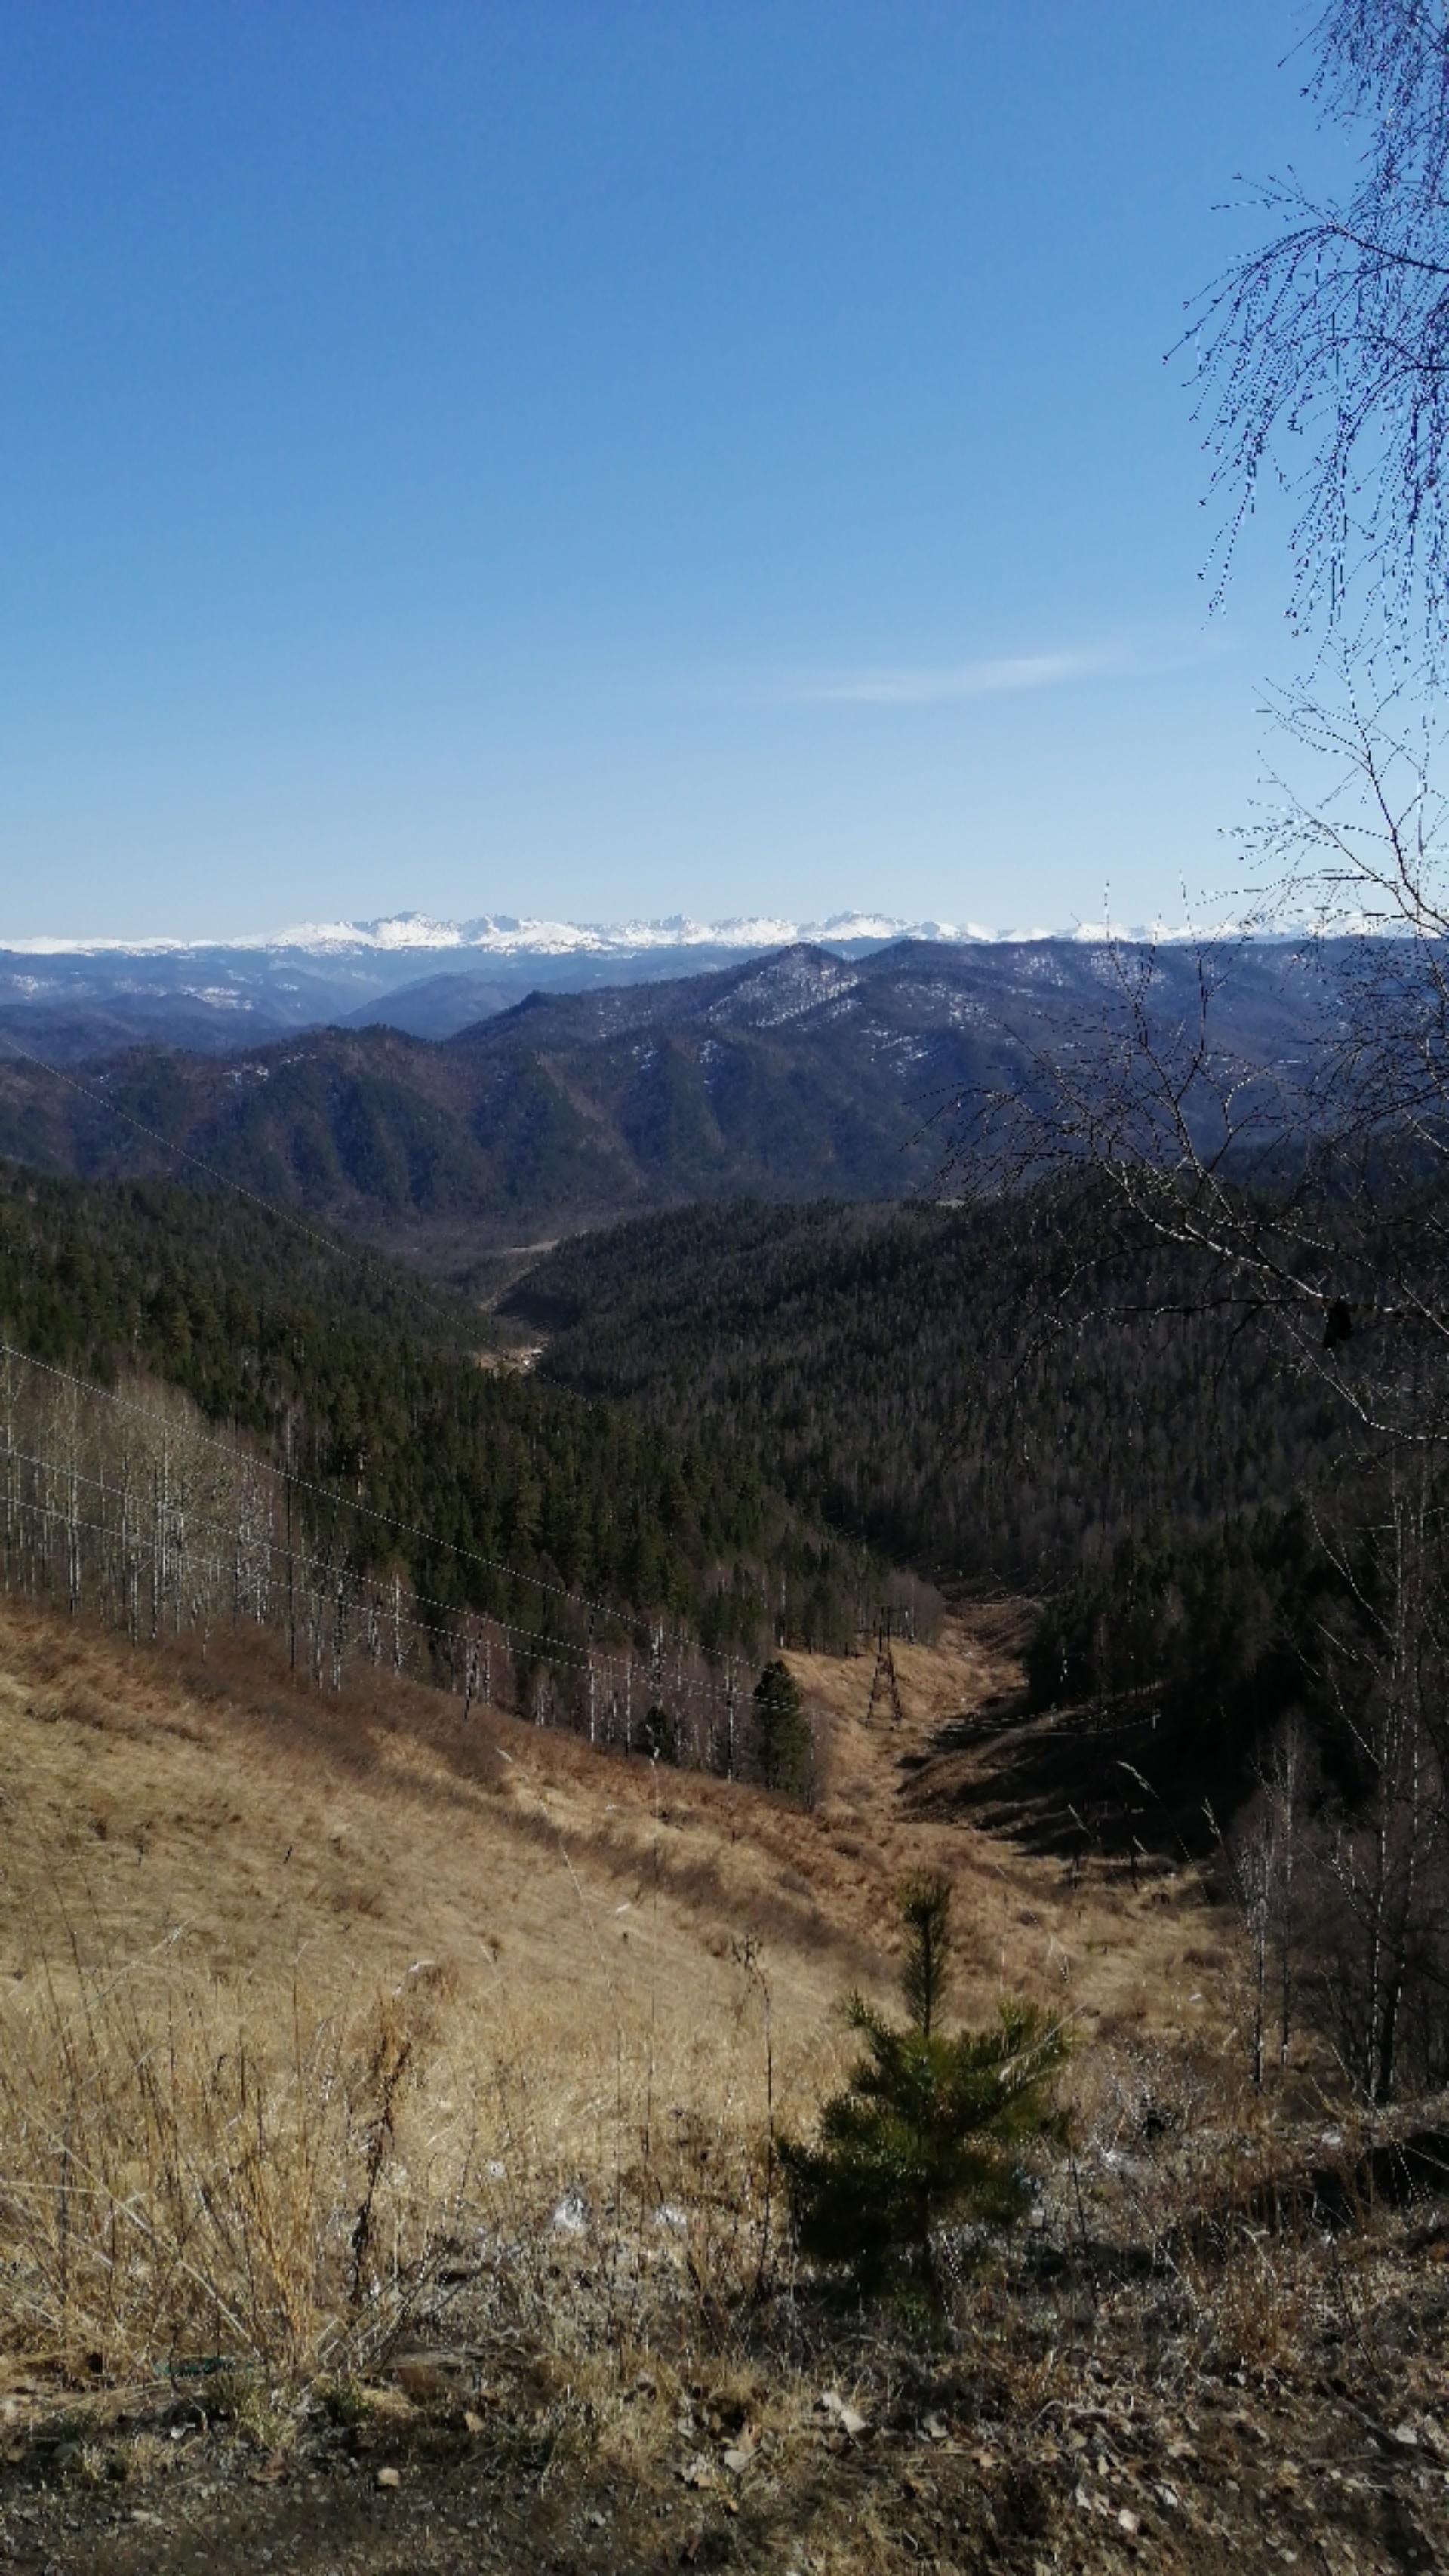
{"x": 947, "y": 684}
{"x": 942, "y": 685}
{"x": 954, "y": 683}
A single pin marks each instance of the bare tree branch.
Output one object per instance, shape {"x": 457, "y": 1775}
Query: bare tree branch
{"x": 1325, "y": 354}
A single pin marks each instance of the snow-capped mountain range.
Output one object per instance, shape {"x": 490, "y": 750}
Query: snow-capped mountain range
{"x": 68, "y": 998}
{"x": 501, "y": 935}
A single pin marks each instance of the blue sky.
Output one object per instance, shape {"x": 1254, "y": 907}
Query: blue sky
{"x": 612, "y": 457}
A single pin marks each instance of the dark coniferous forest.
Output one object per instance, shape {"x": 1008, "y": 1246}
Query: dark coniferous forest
{"x": 367, "y": 1383}
{"x": 983, "y": 1393}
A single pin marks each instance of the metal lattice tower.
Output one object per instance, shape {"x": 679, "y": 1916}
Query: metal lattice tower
{"x": 885, "y": 1690}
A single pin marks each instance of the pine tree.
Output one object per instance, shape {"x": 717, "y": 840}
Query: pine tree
{"x": 659, "y": 1736}
{"x": 928, "y": 2127}
{"x": 783, "y": 1729}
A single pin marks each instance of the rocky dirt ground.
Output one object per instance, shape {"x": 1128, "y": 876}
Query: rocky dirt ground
{"x": 1075, "y": 2426}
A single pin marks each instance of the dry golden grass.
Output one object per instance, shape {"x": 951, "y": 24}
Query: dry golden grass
{"x": 1143, "y": 1962}
{"x": 264, "y": 1827}
{"x": 331, "y": 2028}
{"x": 296, "y": 1994}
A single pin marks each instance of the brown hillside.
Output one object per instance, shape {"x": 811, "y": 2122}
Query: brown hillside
{"x": 383, "y": 2185}
{"x": 153, "y": 1795}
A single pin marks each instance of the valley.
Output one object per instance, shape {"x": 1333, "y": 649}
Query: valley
{"x": 724, "y": 1633}
{"x": 451, "y": 1497}
{"x": 994, "y": 1393}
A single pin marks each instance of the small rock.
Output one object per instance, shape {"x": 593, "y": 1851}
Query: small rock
{"x": 473, "y": 2423}
{"x": 934, "y": 2428}
{"x": 737, "y": 2461}
{"x": 389, "y": 2477}
{"x": 1405, "y": 2435}
{"x": 1128, "y": 2522}
{"x": 829, "y": 2402}
{"x": 851, "y": 2424}
{"x": 698, "y": 2472}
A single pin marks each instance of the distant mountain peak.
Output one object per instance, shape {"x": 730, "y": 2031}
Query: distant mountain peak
{"x": 502, "y": 934}
{"x": 506, "y": 935}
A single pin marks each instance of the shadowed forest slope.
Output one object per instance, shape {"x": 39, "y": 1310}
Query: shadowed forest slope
{"x": 972, "y": 1391}
{"x": 486, "y": 1489}
{"x": 792, "y": 1074}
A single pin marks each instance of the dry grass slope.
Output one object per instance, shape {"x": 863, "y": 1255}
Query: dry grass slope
{"x": 254, "y": 1826}
{"x": 384, "y": 2095}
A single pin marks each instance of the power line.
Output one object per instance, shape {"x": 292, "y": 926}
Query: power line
{"x": 147, "y": 1548}
{"x": 558, "y": 1650}
{"x": 333, "y": 1494}
{"x": 338, "y": 1249}
{"x": 341, "y": 1250}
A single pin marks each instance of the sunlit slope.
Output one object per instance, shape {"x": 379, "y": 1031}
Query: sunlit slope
{"x": 279, "y": 1842}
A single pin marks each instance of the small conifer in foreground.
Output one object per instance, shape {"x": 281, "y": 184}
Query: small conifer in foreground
{"x": 929, "y": 2127}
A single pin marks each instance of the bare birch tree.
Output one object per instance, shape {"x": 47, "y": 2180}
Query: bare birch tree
{"x": 1323, "y": 353}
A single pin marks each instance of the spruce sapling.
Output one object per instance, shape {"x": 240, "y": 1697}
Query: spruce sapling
{"x": 929, "y": 2127}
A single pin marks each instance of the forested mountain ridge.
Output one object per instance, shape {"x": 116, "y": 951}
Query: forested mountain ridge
{"x": 62, "y": 999}
{"x": 491, "y": 1490}
{"x": 961, "y": 1387}
{"x": 792, "y": 1075}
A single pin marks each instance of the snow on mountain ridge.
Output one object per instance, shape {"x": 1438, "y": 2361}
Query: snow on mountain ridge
{"x": 503, "y": 935}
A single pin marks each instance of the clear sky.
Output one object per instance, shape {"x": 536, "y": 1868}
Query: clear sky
{"x": 613, "y": 457}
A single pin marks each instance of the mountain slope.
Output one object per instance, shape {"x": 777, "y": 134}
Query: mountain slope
{"x": 785, "y": 1077}
{"x": 488, "y": 1490}
{"x": 63, "y": 999}
{"x": 974, "y": 1394}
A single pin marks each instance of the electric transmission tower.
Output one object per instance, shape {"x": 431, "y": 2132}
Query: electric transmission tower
{"x": 885, "y": 1690}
